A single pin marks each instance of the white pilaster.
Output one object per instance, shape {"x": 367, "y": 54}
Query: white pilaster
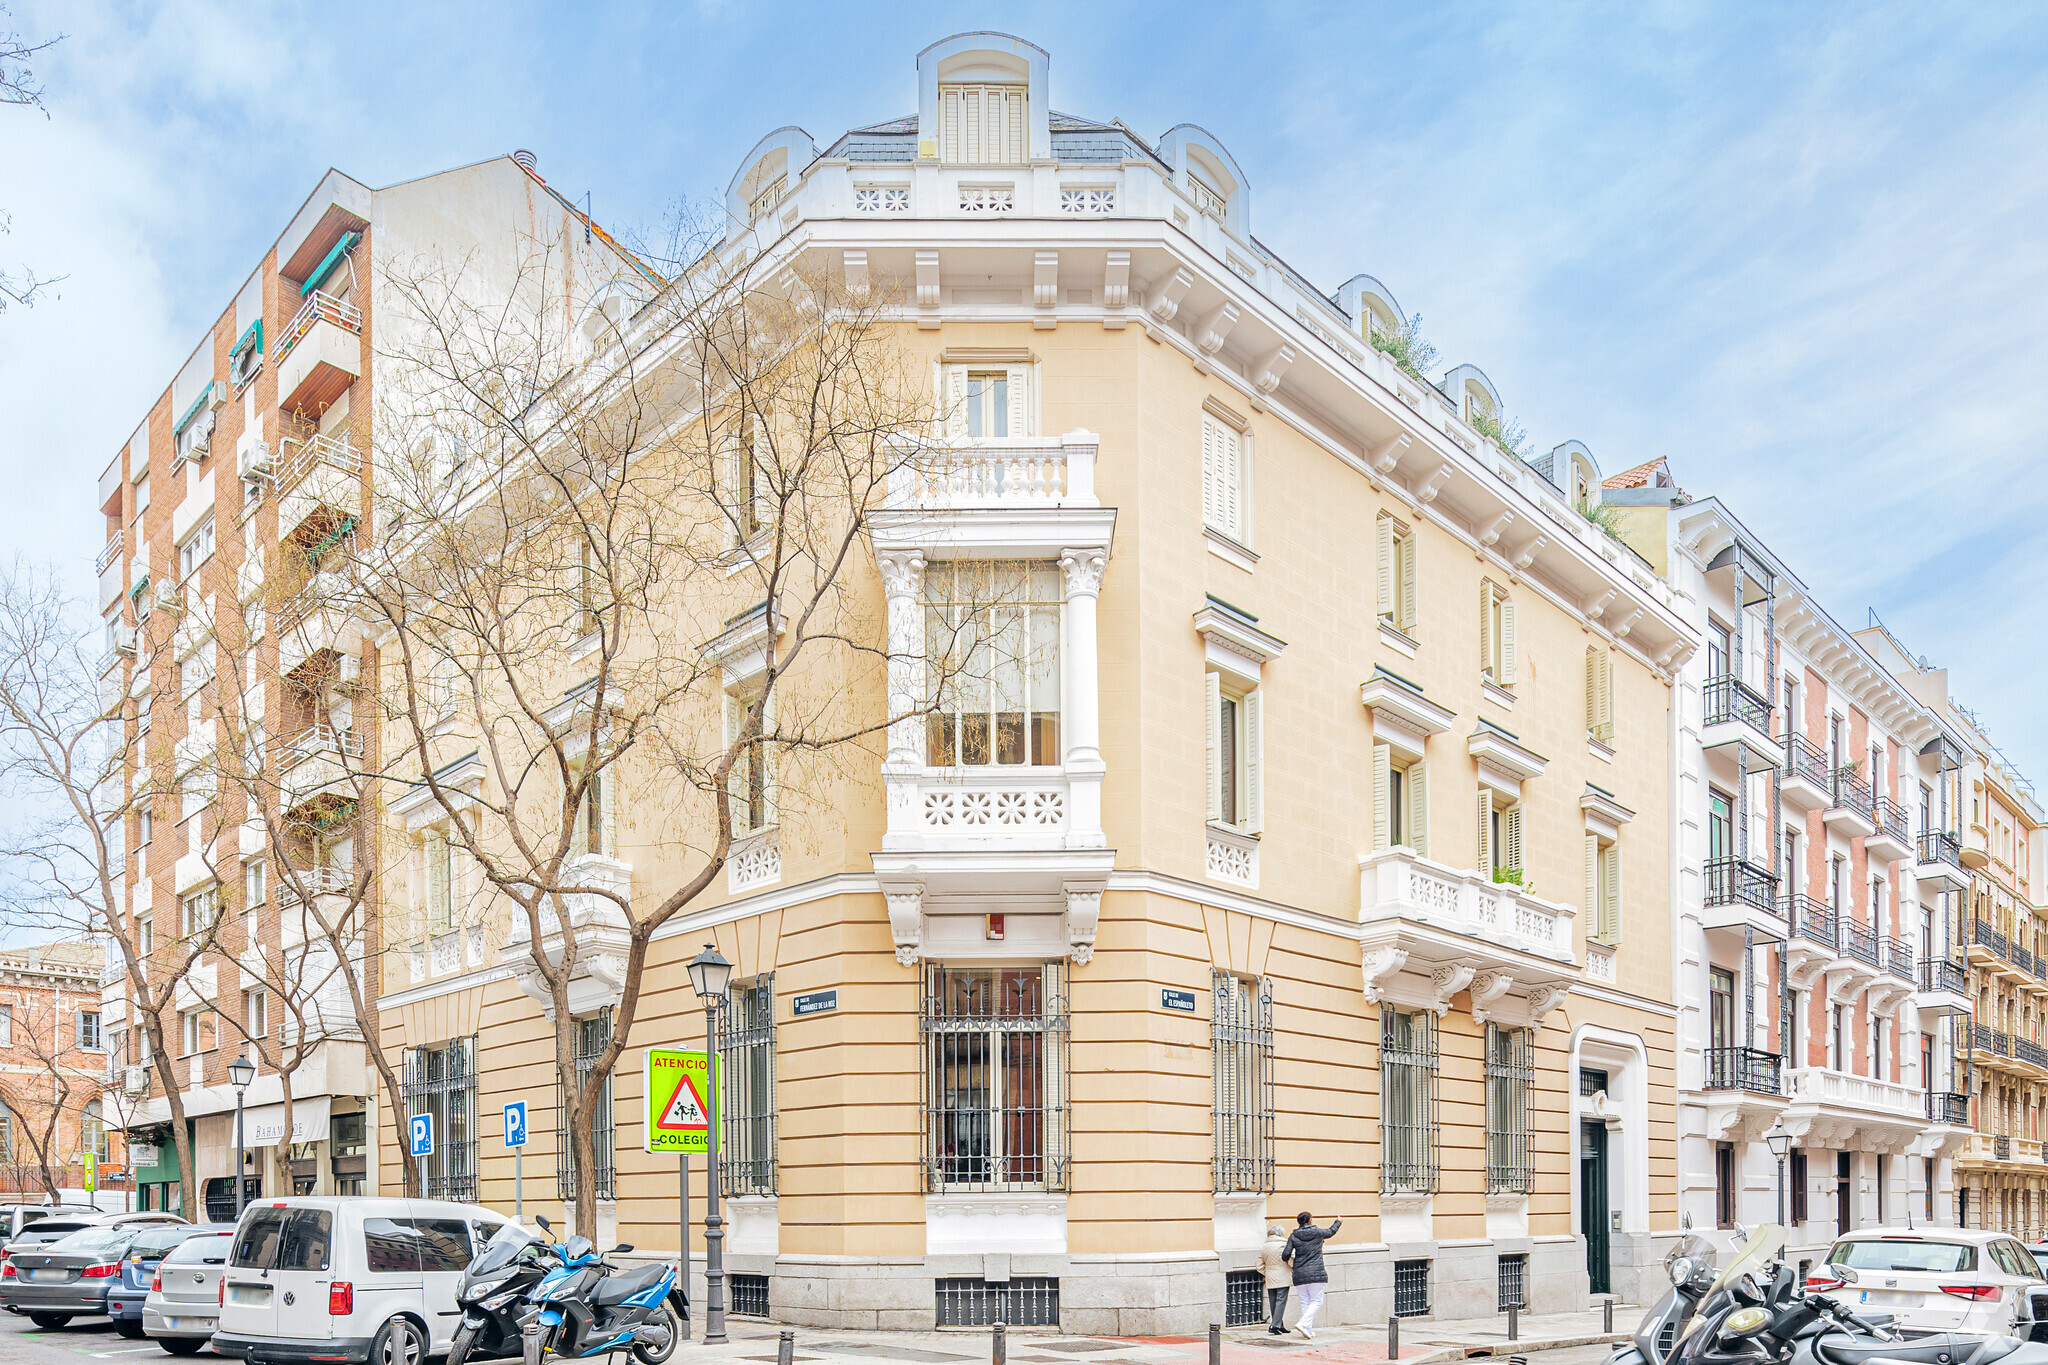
{"x": 1080, "y": 684}
{"x": 903, "y": 583}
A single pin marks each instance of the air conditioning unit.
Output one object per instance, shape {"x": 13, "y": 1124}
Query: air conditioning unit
{"x": 350, "y": 669}
{"x": 170, "y": 595}
{"x": 136, "y": 1081}
{"x": 252, "y": 458}
{"x": 124, "y": 639}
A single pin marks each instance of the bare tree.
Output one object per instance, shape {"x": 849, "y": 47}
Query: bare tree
{"x": 79, "y": 754}
{"x": 20, "y": 87}
{"x": 45, "y": 1092}
{"x": 620, "y": 587}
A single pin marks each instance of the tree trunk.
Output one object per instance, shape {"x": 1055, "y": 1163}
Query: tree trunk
{"x": 181, "y": 1135}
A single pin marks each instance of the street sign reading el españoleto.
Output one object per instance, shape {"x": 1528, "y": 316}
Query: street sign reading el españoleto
{"x": 682, "y": 1100}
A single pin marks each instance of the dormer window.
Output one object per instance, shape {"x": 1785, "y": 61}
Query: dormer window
{"x": 1207, "y": 197}
{"x": 983, "y": 124}
{"x": 1477, "y": 407}
{"x": 768, "y": 196}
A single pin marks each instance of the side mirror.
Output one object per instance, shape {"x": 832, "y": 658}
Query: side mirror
{"x": 542, "y": 1219}
{"x": 1845, "y": 1273}
{"x": 623, "y": 1246}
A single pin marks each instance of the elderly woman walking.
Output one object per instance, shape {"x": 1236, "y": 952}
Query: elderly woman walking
{"x": 1273, "y": 1260}
{"x": 1305, "y": 1254}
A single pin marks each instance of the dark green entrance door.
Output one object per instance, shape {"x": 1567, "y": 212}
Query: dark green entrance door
{"x": 1593, "y": 1202}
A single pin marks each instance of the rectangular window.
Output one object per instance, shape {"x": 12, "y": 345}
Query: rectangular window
{"x": 1795, "y": 1185}
{"x": 441, "y": 1080}
{"x": 1510, "y": 1069}
{"x": 1408, "y": 1131}
{"x": 200, "y": 1031}
{"x": 437, "y": 880}
{"x": 992, "y": 641}
{"x": 1022, "y": 1301}
{"x": 256, "y": 1012}
{"x": 593, "y": 1035}
{"x": 1233, "y": 746}
{"x": 750, "y": 782}
{"x": 1400, "y": 809}
{"x": 195, "y": 549}
{"x": 1835, "y": 866}
{"x": 255, "y": 882}
{"x": 1241, "y": 1051}
{"x": 1497, "y": 648}
{"x": 987, "y": 403}
{"x": 1411, "y": 1289}
{"x": 1724, "y": 1185}
{"x": 199, "y": 912}
{"x": 995, "y": 1110}
{"x": 1603, "y": 890}
{"x": 1396, "y": 573}
{"x": 746, "y": 1038}
{"x": 89, "y": 1030}
{"x": 592, "y": 833}
{"x": 1222, "y": 478}
{"x": 749, "y": 1296}
{"x": 1500, "y": 839}
{"x": 1720, "y": 826}
{"x": 984, "y": 124}
{"x": 1600, "y": 694}
{"x": 1720, "y": 1008}
{"x": 6, "y": 1026}
{"x": 1592, "y": 1080}
{"x": 1720, "y": 650}
{"x": 1511, "y": 1278}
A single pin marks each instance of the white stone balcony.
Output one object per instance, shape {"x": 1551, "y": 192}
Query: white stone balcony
{"x": 1456, "y": 928}
{"x": 1027, "y": 471}
{"x": 317, "y": 881}
{"x": 964, "y": 809}
{"x": 597, "y": 926}
{"x": 1938, "y": 863}
{"x": 1839, "y": 1109}
{"x": 1737, "y": 715}
{"x": 319, "y": 759}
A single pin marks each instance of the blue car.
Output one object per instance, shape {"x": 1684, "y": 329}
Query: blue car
{"x": 138, "y": 1269}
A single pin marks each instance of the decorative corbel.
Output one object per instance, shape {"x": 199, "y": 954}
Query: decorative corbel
{"x": 1380, "y": 966}
{"x": 1168, "y": 293}
{"x": 1116, "y": 280}
{"x": 1527, "y": 554}
{"x": 906, "y": 921}
{"x": 1628, "y": 623}
{"x": 856, "y": 271}
{"x": 1491, "y": 535}
{"x": 1209, "y": 336}
{"x": 1426, "y": 494}
{"x": 1545, "y": 998}
{"x": 1084, "y": 914}
{"x": 1045, "y": 278}
{"x": 1445, "y": 982}
{"x": 1267, "y": 377}
{"x": 1488, "y": 987}
{"x": 927, "y": 279}
{"x": 1597, "y": 608}
{"x": 1389, "y": 454}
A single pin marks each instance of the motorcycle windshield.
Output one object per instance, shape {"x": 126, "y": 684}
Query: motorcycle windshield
{"x": 502, "y": 1250}
{"x": 1763, "y": 1246}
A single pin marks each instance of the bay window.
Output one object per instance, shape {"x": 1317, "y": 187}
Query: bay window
{"x": 992, "y": 645}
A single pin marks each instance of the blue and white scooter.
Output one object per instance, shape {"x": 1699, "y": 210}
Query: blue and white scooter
{"x": 586, "y": 1309}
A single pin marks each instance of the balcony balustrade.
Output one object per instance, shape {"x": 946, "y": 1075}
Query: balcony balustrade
{"x": 1852, "y": 813}
{"x": 1944, "y": 987}
{"x": 1858, "y": 940}
{"x": 319, "y": 306}
{"x": 1737, "y": 714}
{"x": 1877, "y": 1108}
{"x": 1811, "y": 919}
{"x": 999, "y": 472}
{"x": 1745, "y": 1068}
{"x": 1891, "y": 840}
{"x": 1898, "y": 958}
{"x": 1938, "y": 862}
{"x": 2001, "y": 1147}
{"x": 2030, "y": 1052}
{"x": 1948, "y": 1109}
{"x": 1804, "y": 784}
{"x": 1742, "y": 896}
{"x": 317, "y": 881}
{"x": 322, "y": 738}
{"x": 110, "y": 552}
{"x": 319, "y": 354}
{"x": 1492, "y": 920}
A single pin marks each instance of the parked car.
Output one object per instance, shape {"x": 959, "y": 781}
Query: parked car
{"x": 138, "y": 1269}
{"x": 183, "y": 1306}
{"x": 64, "y": 1222}
{"x": 55, "y": 1282}
{"x": 1938, "y": 1279}
{"x": 332, "y": 1279}
{"x": 15, "y": 1218}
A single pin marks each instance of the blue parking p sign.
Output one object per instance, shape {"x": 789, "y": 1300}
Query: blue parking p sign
{"x": 422, "y": 1134}
{"x": 515, "y": 1124}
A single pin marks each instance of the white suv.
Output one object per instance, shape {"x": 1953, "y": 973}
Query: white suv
{"x": 324, "y": 1279}
{"x": 1937, "y": 1279}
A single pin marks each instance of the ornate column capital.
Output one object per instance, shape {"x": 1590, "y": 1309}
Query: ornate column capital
{"x": 1084, "y": 570}
{"x": 902, "y": 572}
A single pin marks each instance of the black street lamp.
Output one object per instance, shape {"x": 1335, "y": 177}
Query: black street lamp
{"x": 710, "y": 973}
{"x": 241, "y": 1071}
{"x": 1780, "y": 1143}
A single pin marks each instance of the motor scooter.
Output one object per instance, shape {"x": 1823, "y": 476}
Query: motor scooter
{"x": 493, "y": 1294}
{"x": 586, "y": 1308}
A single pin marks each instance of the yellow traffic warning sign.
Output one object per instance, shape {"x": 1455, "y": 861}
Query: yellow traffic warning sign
{"x": 682, "y": 1099}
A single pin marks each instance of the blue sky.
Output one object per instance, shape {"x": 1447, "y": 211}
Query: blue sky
{"x": 1800, "y": 250}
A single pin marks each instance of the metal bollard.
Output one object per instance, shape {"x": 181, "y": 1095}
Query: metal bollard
{"x": 999, "y": 1345}
{"x": 1514, "y": 1322}
{"x": 1607, "y": 1317}
{"x": 1393, "y": 1338}
{"x": 785, "y": 1352}
{"x": 1215, "y": 1343}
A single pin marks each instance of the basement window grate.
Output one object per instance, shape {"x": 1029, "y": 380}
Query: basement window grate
{"x": 1244, "y": 1293}
{"x": 1511, "y": 1275}
{"x": 1023, "y": 1302}
{"x": 749, "y": 1295}
{"x": 1411, "y": 1289}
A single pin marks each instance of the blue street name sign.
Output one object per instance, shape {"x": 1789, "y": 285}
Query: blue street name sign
{"x": 817, "y": 1002}
{"x": 1171, "y": 999}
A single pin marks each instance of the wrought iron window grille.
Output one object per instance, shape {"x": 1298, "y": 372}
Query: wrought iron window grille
{"x": 995, "y": 1110}
{"x": 746, "y": 1037}
{"x": 592, "y": 1037}
{"x": 1241, "y": 1045}
{"x": 1408, "y": 1119}
{"x": 1510, "y": 1069}
{"x": 441, "y": 1081}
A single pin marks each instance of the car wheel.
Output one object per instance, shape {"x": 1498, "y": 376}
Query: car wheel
{"x": 49, "y": 1322}
{"x": 181, "y": 1346}
{"x": 128, "y": 1327}
{"x": 398, "y": 1342}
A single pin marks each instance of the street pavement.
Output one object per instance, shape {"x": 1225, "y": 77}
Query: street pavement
{"x": 1546, "y": 1339}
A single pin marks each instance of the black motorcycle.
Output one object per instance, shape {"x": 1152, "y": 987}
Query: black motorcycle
{"x": 587, "y": 1308}
{"x": 493, "y": 1294}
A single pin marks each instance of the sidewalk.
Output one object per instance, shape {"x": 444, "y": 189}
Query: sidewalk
{"x": 1423, "y": 1342}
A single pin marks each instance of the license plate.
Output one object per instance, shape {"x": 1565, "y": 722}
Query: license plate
{"x": 42, "y": 1276}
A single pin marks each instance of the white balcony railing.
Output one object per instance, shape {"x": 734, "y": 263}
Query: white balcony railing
{"x": 319, "y": 739}
{"x": 319, "y": 306}
{"x": 302, "y": 457}
{"x": 317, "y": 881}
{"x": 977, "y": 807}
{"x": 1002, "y": 472}
{"x": 109, "y": 552}
{"x": 1398, "y": 884}
{"x": 1843, "y": 1090}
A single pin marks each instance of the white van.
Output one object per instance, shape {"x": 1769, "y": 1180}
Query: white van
{"x": 347, "y": 1279}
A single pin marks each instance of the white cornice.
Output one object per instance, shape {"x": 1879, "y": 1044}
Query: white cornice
{"x": 1498, "y": 750}
{"x": 1405, "y": 702}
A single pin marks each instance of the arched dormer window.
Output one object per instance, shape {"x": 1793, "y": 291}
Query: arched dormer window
{"x": 1209, "y": 176}
{"x": 1473, "y": 394}
{"x": 767, "y": 174}
{"x": 981, "y": 100}
{"x": 1573, "y": 471}
{"x": 1371, "y": 307}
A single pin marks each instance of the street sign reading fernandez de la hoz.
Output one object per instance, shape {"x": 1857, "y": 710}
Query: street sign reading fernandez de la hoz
{"x": 682, "y": 1100}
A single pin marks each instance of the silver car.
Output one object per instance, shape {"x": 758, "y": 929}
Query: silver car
{"x": 183, "y": 1306}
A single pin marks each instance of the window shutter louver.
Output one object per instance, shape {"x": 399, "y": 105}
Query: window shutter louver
{"x": 949, "y": 125}
{"x": 1212, "y": 473}
{"x": 770, "y": 807}
{"x": 1507, "y": 644}
{"x": 1610, "y": 893}
{"x": 1384, "y": 562}
{"x": 1383, "y": 832}
{"x": 1406, "y": 549}
{"x": 1485, "y": 851}
{"x": 1416, "y": 809}
{"x": 956, "y": 400}
{"x": 1020, "y": 400}
{"x": 1486, "y": 627}
{"x": 1255, "y": 761}
{"x": 1511, "y": 835}
{"x": 1606, "y": 696}
{"x": 973, "y": 120}
{"x": 436, "y": 849}
{"x": 1590, "y": 907}
{"x": 1019, "y": 152}
{"x": 1231, "y": 465}
{"x": 1212, "y": 709}
{"x": 1592, "y": 692}
{"x": 735, "y": 776}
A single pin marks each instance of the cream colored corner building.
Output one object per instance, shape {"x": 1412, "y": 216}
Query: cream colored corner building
{"x": 1321, "y": 882}
{"x": 1328, "y": 869}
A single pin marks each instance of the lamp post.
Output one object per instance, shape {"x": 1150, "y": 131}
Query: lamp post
{"x": 241, "y": 1071}
{"x": 1780, "y": 1143}
{"x": 710, "y": 973}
